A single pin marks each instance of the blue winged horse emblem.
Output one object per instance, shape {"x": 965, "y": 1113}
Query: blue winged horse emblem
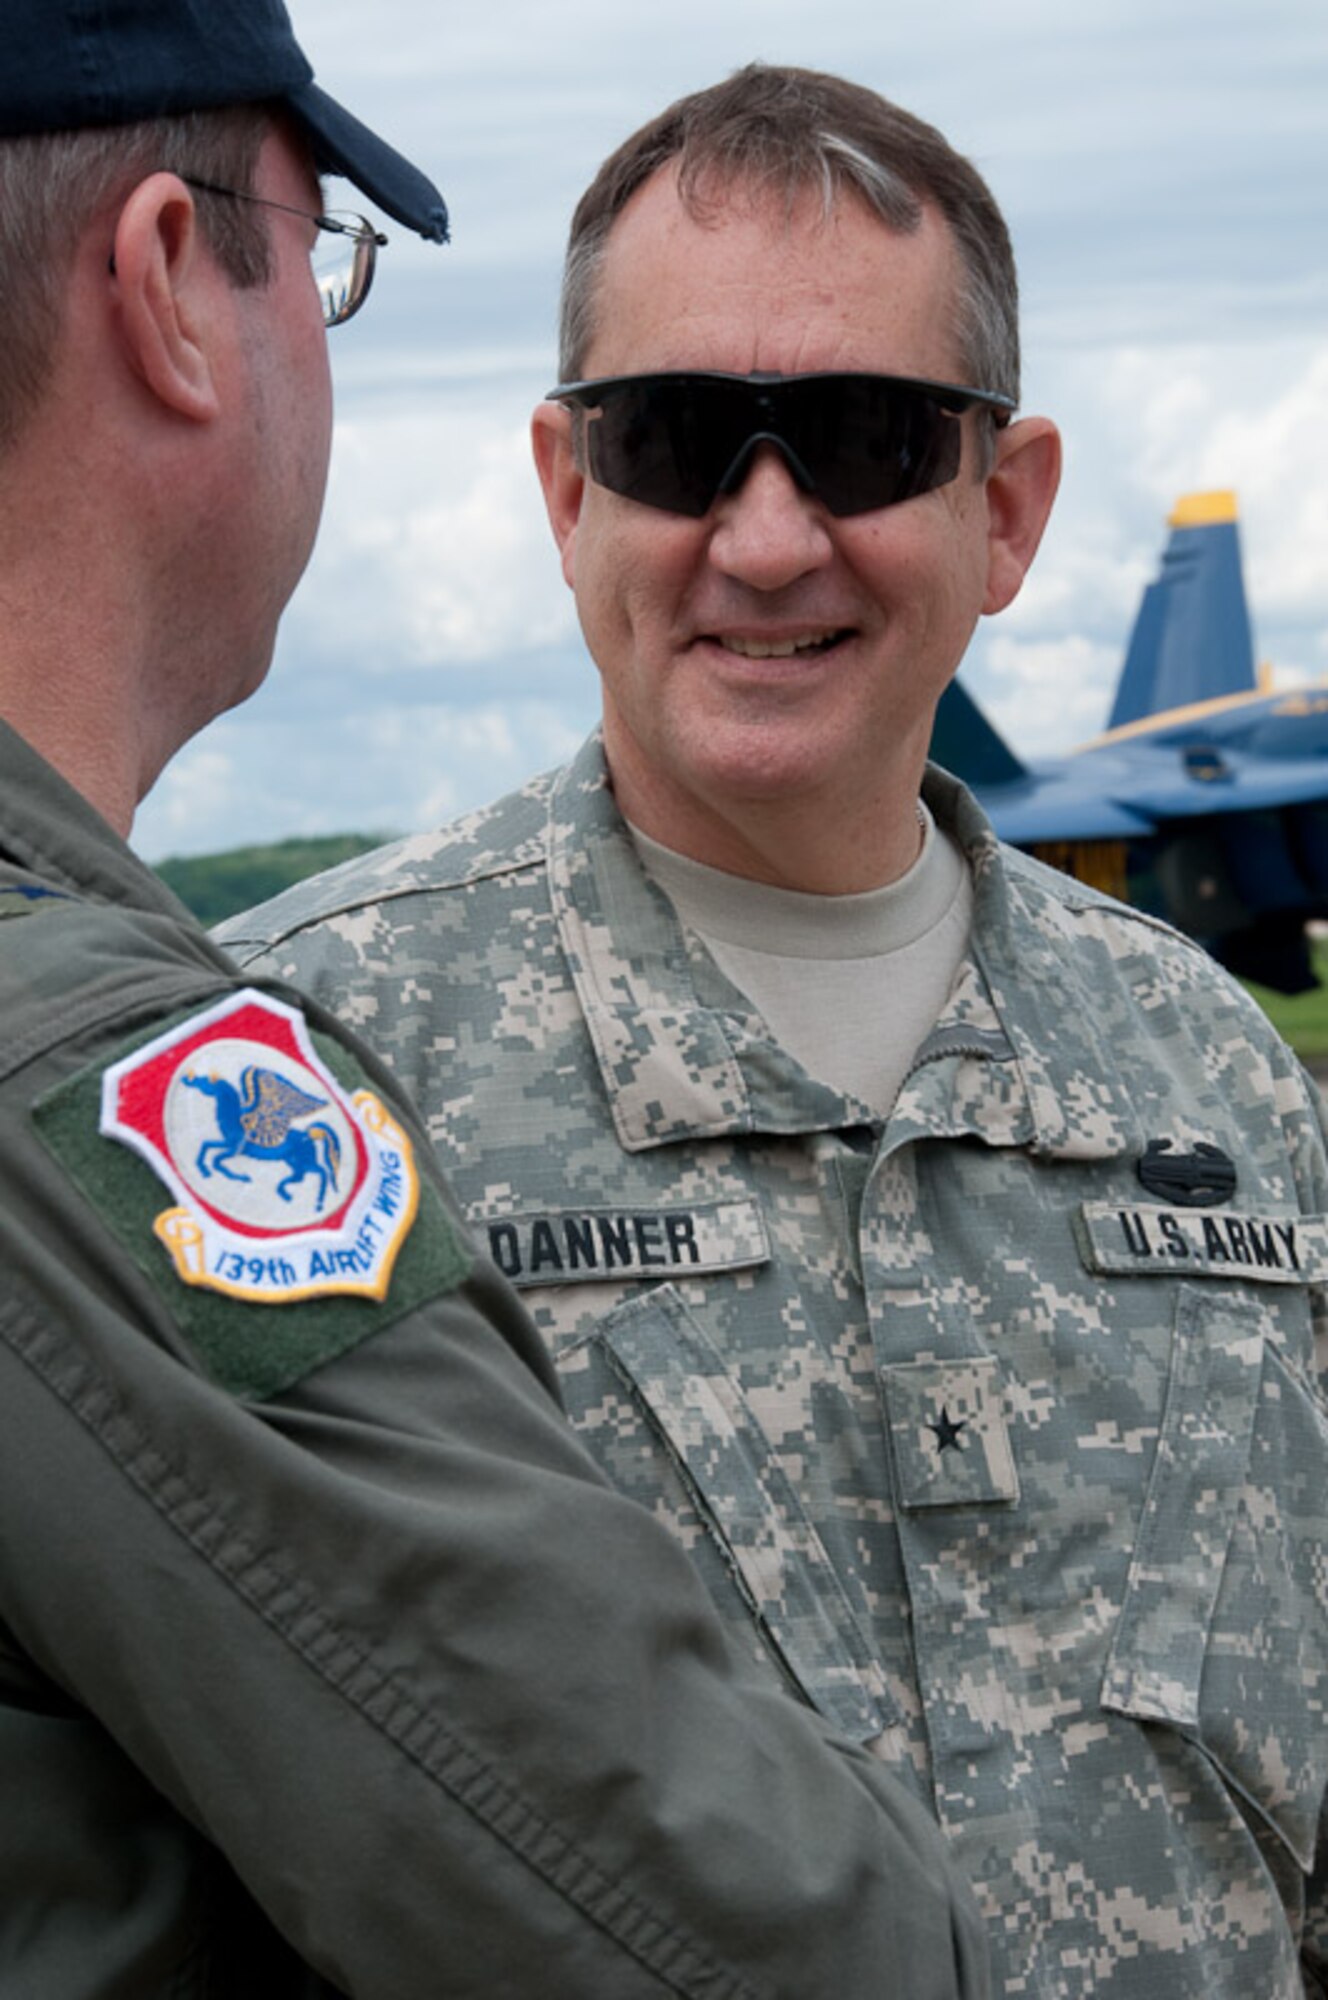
{"x": 258, "y": 1122}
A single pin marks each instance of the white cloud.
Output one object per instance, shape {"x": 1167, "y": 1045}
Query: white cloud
{"x": 1145, "y": 425}
{"x": 1049, "y": 694}
{"x": 1165, "y": 168}
{"x": 200, "y": 788}
{"x": 1281, "y": 469}
{"x": 434, "y": 551}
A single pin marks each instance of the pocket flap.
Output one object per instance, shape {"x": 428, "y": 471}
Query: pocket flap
{"x": 947, "y": 1423}
{"x": 752, "y": 1508}
{"x": 1199, "y": 1468}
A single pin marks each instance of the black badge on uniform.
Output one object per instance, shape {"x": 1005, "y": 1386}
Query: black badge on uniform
{"x": 948, "y": 1430}
{"x": 1202, "y": 1179}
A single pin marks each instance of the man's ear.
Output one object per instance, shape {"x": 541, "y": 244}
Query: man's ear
{"x": 164, "y": 280}
{"x": 561, "y": 477}
{"x": 1020, "y": 489}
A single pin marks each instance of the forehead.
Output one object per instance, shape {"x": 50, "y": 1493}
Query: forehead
{"x": 752, "y": 284}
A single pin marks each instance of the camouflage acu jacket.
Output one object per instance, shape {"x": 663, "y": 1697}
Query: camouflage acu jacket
{"x": 997, "y": 1428}
{"x": 295, "y": 1694}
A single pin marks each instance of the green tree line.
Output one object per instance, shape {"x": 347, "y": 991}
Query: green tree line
{"x": 217, "y": 885}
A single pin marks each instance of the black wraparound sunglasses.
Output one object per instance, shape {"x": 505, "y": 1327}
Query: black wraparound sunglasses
{"x": 856, "y": 442}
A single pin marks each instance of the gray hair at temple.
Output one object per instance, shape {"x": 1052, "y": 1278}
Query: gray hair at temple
{"x": 780, "y": 133}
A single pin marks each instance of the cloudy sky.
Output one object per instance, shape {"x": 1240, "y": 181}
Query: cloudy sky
{"x": 1164, "y": 167}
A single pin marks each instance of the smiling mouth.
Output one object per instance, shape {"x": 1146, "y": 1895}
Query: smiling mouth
{"x": 783, "y": 649}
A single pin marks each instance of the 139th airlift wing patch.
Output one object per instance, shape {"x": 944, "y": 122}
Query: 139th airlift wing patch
{"x": 293, "y": 1185}
{"x": 286, "y": 1185}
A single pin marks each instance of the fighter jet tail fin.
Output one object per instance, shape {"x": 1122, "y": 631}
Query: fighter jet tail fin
{"x": 1191, "y": 640}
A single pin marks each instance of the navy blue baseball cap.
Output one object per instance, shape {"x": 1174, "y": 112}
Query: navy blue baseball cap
{"x": 68, "y": 64}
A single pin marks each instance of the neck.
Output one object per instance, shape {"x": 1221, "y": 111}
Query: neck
{"x": 104, "y": 662}
{"x": 67, "y": 735}
{"x": 77, "y": 647}
{"x": 817, "y": 845}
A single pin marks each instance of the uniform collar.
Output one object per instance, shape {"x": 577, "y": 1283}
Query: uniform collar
{"x": 48, "y": 829}
{"x": 676, "y": 1066}
{"x": 1043, "y": 969}
{"x": 672, "y": 1068}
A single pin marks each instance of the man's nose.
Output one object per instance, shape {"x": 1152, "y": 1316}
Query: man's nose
{"x": 767, "y": 531}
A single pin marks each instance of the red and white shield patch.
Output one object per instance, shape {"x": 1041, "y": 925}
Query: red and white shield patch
{"x": 287, "y": 1186}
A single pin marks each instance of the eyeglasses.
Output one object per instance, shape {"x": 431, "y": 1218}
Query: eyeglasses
{"x": 856, "y": 442}
{"x": 343, "y": 254}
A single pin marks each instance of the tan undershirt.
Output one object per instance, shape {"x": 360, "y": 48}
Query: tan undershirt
{"x": 850, "y": 985}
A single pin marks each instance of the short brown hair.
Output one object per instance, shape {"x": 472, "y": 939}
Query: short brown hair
{"x": 52, "y": 182}
{"x": 783, "y": 132}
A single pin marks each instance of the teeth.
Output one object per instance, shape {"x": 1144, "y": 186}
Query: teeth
{"x": 778, "y": 649}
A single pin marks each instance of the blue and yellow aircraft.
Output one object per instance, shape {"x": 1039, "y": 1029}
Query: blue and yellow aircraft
{"x": 1206, "y": 800}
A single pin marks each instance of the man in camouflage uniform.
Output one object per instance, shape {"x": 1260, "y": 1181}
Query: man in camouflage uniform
{"x": 329, "y": 1661}
{"x": 938, "y": 1246}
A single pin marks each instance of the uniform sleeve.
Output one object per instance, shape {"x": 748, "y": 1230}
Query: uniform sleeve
{"x": 458, "y": 1715}
{"x": 1308, "y": 1139}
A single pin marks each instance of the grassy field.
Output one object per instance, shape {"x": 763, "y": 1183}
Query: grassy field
{"x": 1302, "y": 1020}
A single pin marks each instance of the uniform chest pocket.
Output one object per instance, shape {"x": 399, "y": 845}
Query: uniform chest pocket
{"x": 768, "y": 1541}
{"x": 1224, "y": 1629}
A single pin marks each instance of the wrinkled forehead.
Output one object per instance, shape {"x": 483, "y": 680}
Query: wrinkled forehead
{"x": 735, "y": 276}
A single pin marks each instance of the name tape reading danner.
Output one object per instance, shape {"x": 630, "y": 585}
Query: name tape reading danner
{"x": 597, "y": 1245}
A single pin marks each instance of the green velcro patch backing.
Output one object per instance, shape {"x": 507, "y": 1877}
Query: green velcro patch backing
{"x": 251, "y": 1346}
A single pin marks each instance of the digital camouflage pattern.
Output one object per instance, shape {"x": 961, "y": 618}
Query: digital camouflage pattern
{"x": 296, "y": 1692}
{"x": 998, "y": 1429}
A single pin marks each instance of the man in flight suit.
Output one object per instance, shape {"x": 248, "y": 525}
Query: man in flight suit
{"x": 939, "y": 1246}
{"x": 329, "y": 1662}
